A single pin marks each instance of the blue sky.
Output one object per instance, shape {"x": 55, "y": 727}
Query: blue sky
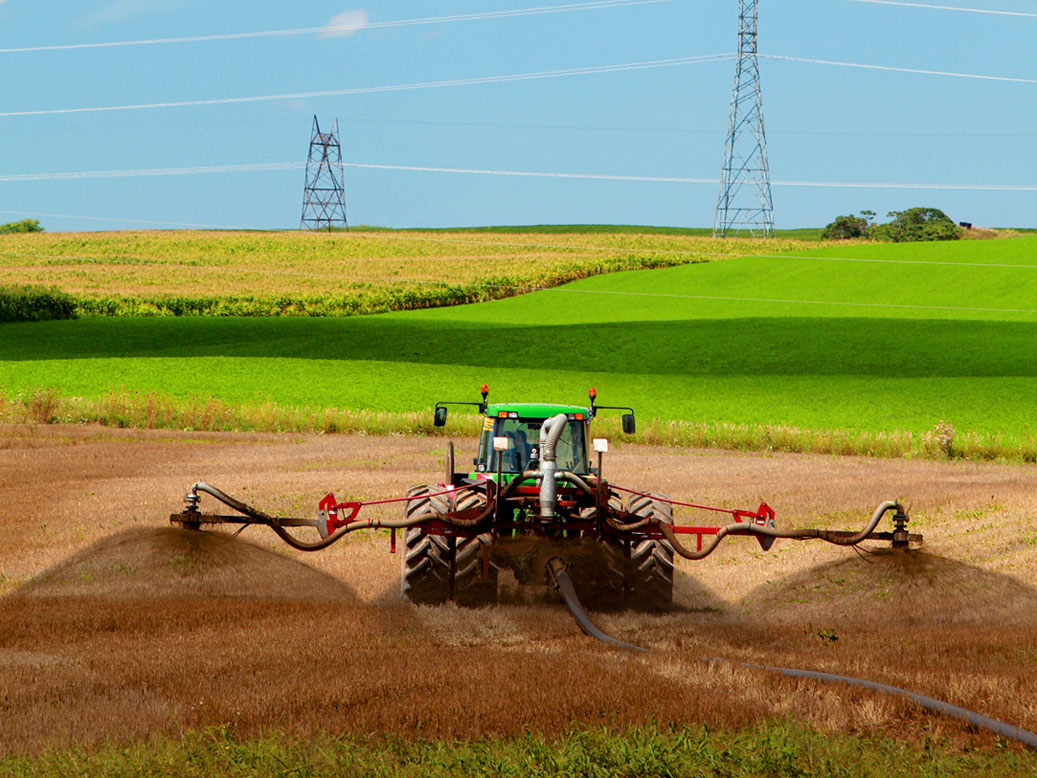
{"x": 824, "y": 123}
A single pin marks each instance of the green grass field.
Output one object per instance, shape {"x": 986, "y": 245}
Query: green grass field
{"x": 769, "y": 749}
{"x": 867, "y": 339}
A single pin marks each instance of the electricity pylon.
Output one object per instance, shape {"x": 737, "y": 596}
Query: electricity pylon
{"x": 744, "y": 202}
{"x": 324, "y": 194}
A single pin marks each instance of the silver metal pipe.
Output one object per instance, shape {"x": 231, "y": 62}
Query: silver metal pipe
{"x": 550, "y": 432}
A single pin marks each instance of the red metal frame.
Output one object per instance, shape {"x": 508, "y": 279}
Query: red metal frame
{"x": 339, "y": 514}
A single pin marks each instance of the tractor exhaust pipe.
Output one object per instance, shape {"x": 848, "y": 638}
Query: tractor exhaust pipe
{"x": 550, "y": 432}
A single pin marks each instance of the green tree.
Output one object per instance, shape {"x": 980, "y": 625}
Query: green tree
{"x": 916, "y": 224}
{"x": 845, "y": 227}
{"x": 25, "y": 225}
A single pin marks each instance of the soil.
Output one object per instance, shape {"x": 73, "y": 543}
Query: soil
{"x": 115, "y": 626}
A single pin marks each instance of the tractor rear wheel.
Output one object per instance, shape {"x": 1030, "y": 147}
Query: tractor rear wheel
{"x": 435, "y": 568}
{"x": 650, "y": 567}
{"x": 598, "y": 577}
{"x": 471, "y": 587}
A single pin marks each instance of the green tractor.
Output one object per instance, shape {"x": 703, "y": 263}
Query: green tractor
{"x": 532, "y": 493}
{"x": 533, "y": 506}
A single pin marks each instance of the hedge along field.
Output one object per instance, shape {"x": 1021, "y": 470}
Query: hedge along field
{"x": 327, "y": 274}
{"x": 821, "y": 352}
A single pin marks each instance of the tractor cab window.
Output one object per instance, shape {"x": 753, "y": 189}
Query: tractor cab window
{"x": 524, "y": 446}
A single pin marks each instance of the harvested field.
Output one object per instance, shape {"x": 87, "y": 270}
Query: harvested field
{"x": 114, "y": 626}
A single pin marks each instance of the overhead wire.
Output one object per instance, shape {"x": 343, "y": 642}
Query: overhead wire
{"x": 890, "y": 68}
{"x": 561, "y": 73}
{"x": 279, "y": 166}
{"x": 331, "y": 29}
{"x": 929, "y": 6}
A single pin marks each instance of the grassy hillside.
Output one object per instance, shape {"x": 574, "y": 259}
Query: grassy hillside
{"x": 867, "y": 339}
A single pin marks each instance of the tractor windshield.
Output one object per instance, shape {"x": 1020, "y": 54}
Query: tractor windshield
{"x": 524, "y": 445}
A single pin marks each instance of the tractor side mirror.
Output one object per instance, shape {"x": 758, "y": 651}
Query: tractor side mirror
{"x": 628, "y": 423}
{"x": 440, "y": 417}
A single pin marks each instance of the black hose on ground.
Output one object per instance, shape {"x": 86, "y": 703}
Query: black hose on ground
{"x": 929, "y": 703}
{"x": 557, "y": 568}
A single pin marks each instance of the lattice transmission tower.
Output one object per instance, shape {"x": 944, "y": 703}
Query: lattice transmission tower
{"x": 744, "y": 202}
{"x": 324, "y": 195}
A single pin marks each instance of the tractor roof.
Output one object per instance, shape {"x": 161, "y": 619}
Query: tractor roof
{"x": 533, "y": 410}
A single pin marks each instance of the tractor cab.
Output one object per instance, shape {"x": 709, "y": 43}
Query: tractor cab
{"x": 520, "y": 423}
{"x": 511, "y": 434}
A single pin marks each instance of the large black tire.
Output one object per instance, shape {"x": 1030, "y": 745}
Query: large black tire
{"x": 650, "y": 571}
{"x": 597, "y": 567}
{"x": 425, "y": 576}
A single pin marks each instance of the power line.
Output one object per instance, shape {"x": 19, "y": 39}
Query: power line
{"x": 627, "y": 66}
{"x": 893, "y": 185}
{"x": 279, "y": 166}
{"x": 894, "y": 69}
{"x": 945, "y": 7}
{"x": 685, "y": 180}
{"x": 252, "y": 167}
{"x": 535, "y": 174}
{"x": 565, "y": 72}
{"x": 348, "y": 28}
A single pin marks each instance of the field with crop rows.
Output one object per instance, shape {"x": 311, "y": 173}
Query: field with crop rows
{"x": 261, "y": 273}
{"x": 863, "y": 348}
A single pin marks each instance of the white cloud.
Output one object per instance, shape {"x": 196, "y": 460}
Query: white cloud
{"x": 345, "y": 24}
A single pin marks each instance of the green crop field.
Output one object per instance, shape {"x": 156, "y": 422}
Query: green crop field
{"x": 319, "y": 274}
{"x": 816, "y": 347}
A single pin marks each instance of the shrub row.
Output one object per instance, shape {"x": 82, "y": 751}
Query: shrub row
{"x": 35, "y": 303}
{"x": 25, "y": 225}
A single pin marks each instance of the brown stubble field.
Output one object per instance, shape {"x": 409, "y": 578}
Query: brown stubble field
{"x": 114, "y": 626}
